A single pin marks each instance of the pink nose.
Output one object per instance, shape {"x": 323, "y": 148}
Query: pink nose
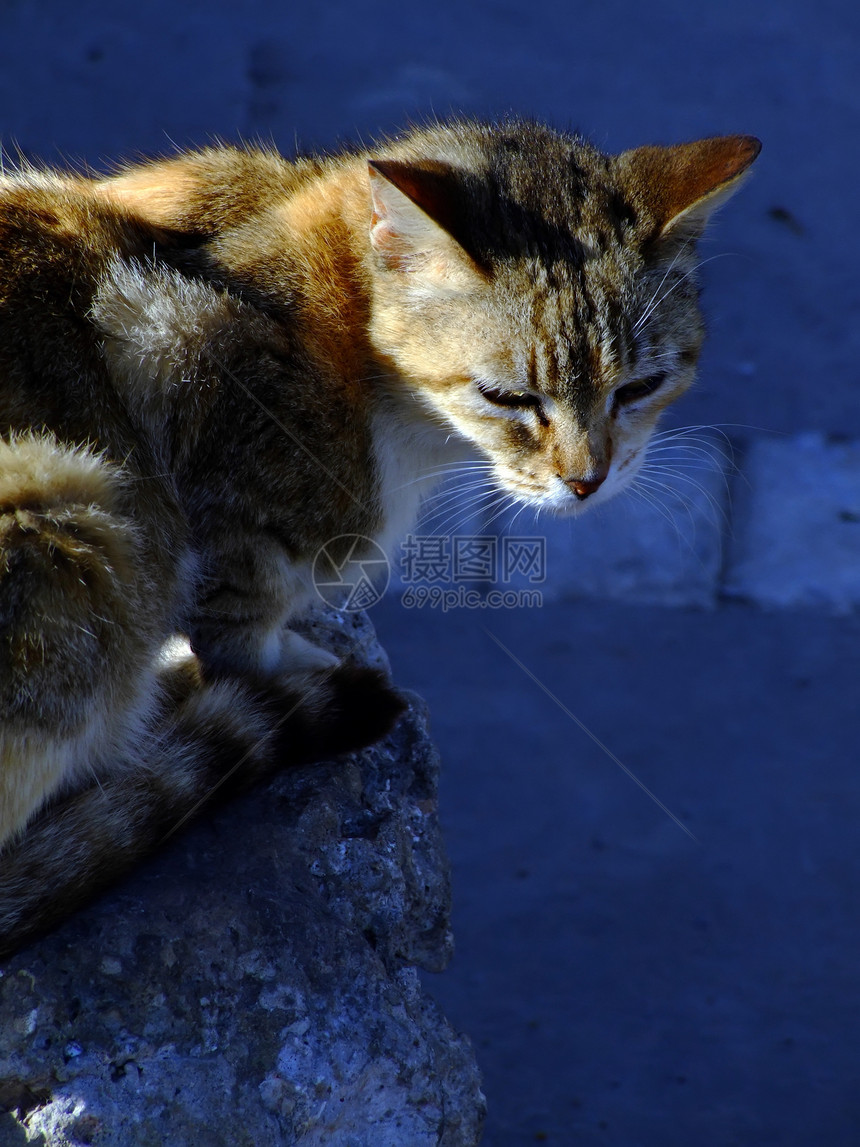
{"x": 584, "y": 489}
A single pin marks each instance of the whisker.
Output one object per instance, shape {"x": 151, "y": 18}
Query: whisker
{"x": 442, "y": 498}
{"x": 692, "y": 510}
{"x": 510, "y": 526}
{"x": 446, "y": 475}
{"x": 721, "y": 427}
{"x": 508, "y": 502}
{"x": 707, "y": 495}
{"x": 700, "y": 460}
{"x": 641, "y": 324}
{"x": 459, "y": 509}
{"x": 689, "y": 438}
{"x": 688, "y": 542}
{"x": 688, "y": 442}
{"x": 704, "y": 462}
{"x": 663, "y": 460}
{"x": 649, "y": 306}
{"x": 651, "y": 500}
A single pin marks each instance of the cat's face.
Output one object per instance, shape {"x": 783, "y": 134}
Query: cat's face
{"x": 555, "y": 343}
{"x": 553, "y": 379}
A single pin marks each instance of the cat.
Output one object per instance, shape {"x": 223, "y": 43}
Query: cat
{"x": 213, "y": 365}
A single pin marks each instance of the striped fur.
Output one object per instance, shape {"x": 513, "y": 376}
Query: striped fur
{"x": 213, "y": 365}
{"x": 202, "y": 744}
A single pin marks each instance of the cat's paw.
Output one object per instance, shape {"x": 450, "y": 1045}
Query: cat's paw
{"x": 298, "y": 655}
{"x": 237, "y": 651}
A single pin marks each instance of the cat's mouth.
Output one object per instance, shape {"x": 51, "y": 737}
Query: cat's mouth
{"x": 572, "y": 497}
{"x": 556, "y": 496}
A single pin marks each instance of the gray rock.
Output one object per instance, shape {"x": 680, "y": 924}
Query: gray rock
{"x": 255, "y": 983}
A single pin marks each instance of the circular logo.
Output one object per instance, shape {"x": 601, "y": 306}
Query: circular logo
{"x": 351, "y": 572}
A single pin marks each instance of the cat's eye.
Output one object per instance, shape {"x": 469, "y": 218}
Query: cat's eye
{"x": 634, "y": 391}
{"x": 521, "y": 398}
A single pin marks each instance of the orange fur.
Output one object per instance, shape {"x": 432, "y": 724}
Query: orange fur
{"x": 214, "y": 365}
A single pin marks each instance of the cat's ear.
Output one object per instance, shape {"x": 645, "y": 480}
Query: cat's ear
{"x": 680, "y": 186}
{"x": 414, "y": 221}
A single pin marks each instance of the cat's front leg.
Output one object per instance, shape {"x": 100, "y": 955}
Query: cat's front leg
{"x": 240, "y": 626}
{"x": 240, "y": 630}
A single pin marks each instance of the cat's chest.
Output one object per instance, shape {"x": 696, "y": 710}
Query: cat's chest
{"x": 410, "y": 463}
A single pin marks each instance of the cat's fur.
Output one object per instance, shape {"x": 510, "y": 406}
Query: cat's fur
{"x": 212, "y": 365}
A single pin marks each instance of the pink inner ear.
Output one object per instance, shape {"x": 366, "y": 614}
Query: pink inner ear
{"x": 431, "y": 186}
{"x": 386, "y": 241}
{"x": 384, "y": 236}
{"x": 414, "y": 218}
{"x": 381, "y": 231}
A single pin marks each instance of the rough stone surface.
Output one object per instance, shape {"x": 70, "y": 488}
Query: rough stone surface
{"x": 255, "y": 983}
{"x": 798, "y": 536}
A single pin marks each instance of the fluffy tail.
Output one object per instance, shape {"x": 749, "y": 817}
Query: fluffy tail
{"x": 207, "y": 742}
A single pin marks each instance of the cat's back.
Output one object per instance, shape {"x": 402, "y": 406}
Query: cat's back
{"x": 62, "y": 238}
{"x": 56, "y": 233}
{"x": 56, "y": 238}
{"x": 73, "y": 224}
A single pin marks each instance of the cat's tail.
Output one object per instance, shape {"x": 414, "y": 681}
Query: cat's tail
{"x": 206, "y": 742}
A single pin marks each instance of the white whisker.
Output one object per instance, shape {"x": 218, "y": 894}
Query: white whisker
{"x": 509, "y": 501}
{"x": 442, "y": 497}
{"x": 456, "y": 508}
{"x": 649, "y": 306}
{"x": 706, "y": 494}
{"x": 650, "y": 498}
{"x": 641, "y": 324}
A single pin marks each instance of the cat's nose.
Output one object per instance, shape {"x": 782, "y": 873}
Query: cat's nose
{"x": 583, "y": 489}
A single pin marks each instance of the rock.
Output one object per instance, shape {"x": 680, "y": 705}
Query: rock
{"x": 255, "y": 983}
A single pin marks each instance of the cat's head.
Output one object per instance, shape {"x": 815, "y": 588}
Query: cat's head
{"x": 541, "y": 297}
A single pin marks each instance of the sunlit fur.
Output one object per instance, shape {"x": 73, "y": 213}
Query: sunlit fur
{"x": 213, "y": 365}
{"x": 575, "y": 286}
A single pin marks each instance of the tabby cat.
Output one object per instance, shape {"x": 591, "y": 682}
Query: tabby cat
{"x": 212, "y": 365}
